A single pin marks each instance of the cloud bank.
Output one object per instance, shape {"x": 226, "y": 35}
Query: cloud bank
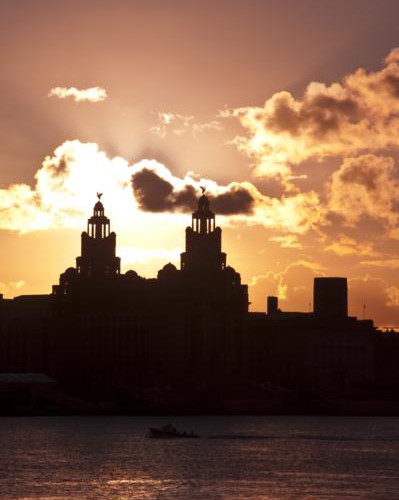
{"x": 67, "y": 181}
{"x": 357, "y": 115}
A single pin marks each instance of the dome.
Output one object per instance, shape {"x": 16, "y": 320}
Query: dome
{"x": 131, "y": 274}
{"x": 68, "y": 275}
{"x": 167, "y": 270}
{"x": 169, "y": 267}
{"x": 99, "y": 207}
{"x": 71, "y": 271}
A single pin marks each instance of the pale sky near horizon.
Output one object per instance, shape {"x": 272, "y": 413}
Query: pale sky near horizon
{"x": 304, "y": 175}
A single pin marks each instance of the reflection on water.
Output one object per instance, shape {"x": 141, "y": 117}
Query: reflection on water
{"x": 247, "y": 457}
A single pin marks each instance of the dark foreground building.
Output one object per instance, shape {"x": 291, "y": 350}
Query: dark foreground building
{"x": 185, "y": 341}
{"x": 120, "y": 330}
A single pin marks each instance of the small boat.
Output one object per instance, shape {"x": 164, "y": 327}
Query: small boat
{"x": 169, "y": 432}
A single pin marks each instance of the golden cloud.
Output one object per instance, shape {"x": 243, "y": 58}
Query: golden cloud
{"x": 67, "y": 181}
{"x": 353, "y": 116}
{"x": 92, "y": 94}
{"x": 293, "y": 285}
{"x": 287, "y": 241}
{"x": 386, "y": 263}
{"x": 178, "y": 124}
{"x": 345, "y": 245}
{"x": 380, "y": 298}
{"x": 12, "y": 287}
{"x": 365, "y": 186}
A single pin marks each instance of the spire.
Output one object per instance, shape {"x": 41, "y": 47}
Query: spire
{"x": 98, "y": 245}
{"x": 203, "y": 240}
{"x": 98, "y": 226}
{"x": 203, "y": 219}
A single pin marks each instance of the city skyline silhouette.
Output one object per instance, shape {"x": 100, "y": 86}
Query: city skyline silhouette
{"x": 293, "y": 136}
{"x": 108, "y": 341}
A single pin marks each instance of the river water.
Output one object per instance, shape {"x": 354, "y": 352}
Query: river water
{"x": 276, "y": 458}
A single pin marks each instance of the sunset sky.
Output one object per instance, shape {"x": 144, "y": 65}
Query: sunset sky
{"x": 287, "y": 111}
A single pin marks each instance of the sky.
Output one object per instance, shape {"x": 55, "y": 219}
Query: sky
{"x": 287, "y": 111}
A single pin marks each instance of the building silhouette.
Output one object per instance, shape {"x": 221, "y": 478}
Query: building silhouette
{"x": 98, "y": 246}
{"x": 330, "y": 297}
{"x": 184, "y": 329}
{"x": 185, "y": 340}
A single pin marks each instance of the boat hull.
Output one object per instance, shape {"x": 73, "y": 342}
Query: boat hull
{"x": 164, "y": 434}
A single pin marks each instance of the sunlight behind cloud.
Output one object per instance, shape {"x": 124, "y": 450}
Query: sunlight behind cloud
{"x": 67, "y": 182}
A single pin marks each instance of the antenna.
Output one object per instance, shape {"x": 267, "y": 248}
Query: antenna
{"x": 364, "y": 311}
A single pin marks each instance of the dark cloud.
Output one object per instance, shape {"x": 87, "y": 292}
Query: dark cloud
{"x": 155, "y": 194}
{"x": 364, "y": 173}
{"x": 61, "y": 167}
{"x": 186, "y": 198}
{"x": 318, "y": 114}
{"x": 236, "y": 201}
{"x": 325, "y": 113}
{"x": 283, "y": 117}
{"x": 152, "y": 192}
{"x": 392, "y": 83}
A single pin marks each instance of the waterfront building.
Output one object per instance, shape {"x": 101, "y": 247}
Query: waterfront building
{"x": 186, "y": 337}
